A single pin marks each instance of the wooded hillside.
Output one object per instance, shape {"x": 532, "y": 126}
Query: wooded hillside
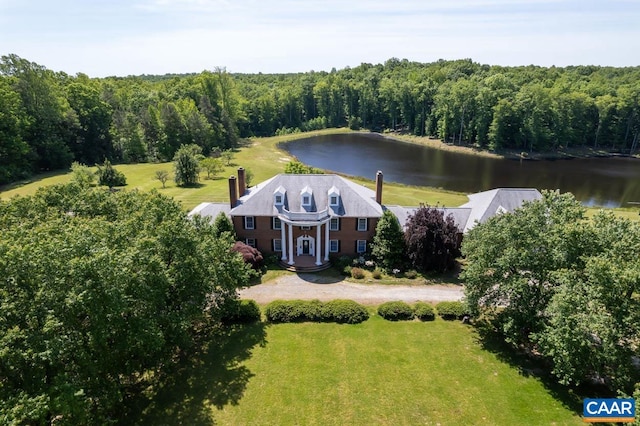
{"x": 49, "y": 119}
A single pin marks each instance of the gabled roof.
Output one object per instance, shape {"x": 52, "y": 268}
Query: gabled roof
{"x": 212, "y": 210}
{"x": 460, "y": 215}
{"x": 355, "y": 200}
{"x": 496, "y": 201}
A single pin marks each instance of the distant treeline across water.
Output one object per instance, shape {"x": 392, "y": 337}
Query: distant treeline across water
{"x": 49, "y": 119}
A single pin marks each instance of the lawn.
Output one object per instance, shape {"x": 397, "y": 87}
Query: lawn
{"x": 265, "y": 159}
{"x": 262, "y": 156}
{"x": 374, "y": 373}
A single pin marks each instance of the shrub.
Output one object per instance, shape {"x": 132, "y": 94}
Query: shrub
{"x": 242, "y": 312}
{"x": 451, "y": 310}
{"x": 357, "y": 273}
{"x": 341, "y": 262}
{"x": 345, "y": 312}
{"x": 377, "y": 274}
{"x": 424, "y": 311}
{"x": 285, "y": 311}
{"x": 340, "y": 311}
{"x": 395, "y": 311}
{"x": 411, "y": 274}
{"x": 346, "y": 271}
{"x": 250, "y": 255}
{"x": 109, "y": 176}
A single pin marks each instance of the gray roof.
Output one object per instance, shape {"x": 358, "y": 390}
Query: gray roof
{"x": 460, "y": 215}
{"x": 489, "y": 203}
{"x": 211, "y": 210}
{"x": 355, "y": 200}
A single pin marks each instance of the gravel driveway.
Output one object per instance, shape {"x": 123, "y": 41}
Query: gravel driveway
{"x": 311, "y": 286}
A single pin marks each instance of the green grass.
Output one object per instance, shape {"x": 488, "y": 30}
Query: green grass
{"x": 261, "y": 155}
{"x": 265, "y": 159}
{"x": 374, "y": 373}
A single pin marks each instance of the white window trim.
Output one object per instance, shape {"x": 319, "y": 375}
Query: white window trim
{"x": 274, "y": 221}
{"x": 274, "y": 245}
{"x": 337, "y": 243}
{"x": 364, "y": 219}
{"x": 305, "y": 228}
{"x": 306, "y": 200}
{"x": 275, "y": 199}
{"x": 337, "y": 198}
{"x": 253, "y": 222}
{"x": 364, "y": 243}
{"x": 337, "y": 222}
{"x": 250, "y": 242}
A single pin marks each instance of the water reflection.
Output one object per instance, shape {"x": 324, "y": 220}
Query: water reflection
{"x": 609, "y": 182}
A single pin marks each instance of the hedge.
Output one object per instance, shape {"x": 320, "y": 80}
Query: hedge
{"x": 395, "y": 311}
{"x": 451, "y": 310}
{"x": 242, "y": 312}
{"x": 424, "y": 311}
{"x": 340, "y": 311}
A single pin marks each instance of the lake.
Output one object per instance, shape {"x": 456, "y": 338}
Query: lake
{"x": 609, "y": 182}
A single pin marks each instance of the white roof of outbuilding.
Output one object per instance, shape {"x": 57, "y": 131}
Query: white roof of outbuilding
{"x": 486, "y": 204}
{"x": 212, "y": 210}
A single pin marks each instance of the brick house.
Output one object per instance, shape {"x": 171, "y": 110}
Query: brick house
{"x": 307, "y": 218}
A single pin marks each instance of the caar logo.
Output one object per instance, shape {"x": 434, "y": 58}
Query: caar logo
{"x": 609, "y": 410}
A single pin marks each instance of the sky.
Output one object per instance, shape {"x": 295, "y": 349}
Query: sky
{"x": 131, "y": 37}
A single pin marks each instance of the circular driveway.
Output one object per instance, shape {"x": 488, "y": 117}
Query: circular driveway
{"x": 311, "y": 286}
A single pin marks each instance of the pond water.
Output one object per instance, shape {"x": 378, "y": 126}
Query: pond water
{"x": 610, "y": 182}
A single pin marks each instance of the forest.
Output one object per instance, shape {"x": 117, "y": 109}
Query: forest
{"x": 49, "y": 119}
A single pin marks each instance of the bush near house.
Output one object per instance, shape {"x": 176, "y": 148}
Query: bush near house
{"x": 357, "y": 273}
{"x": 250, "y": 255}
{"x": 395, "y": 311}
{"x": 451, "y": 310}
{"x": 424, "y": 311}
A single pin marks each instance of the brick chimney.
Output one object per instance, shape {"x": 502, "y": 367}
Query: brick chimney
{"x": 242, "y": 186}
{"x": 233, "y": 195}
{"x": 379, "y": 187}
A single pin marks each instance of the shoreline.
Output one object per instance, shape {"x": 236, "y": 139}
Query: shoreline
{"x": 567, "y": 154}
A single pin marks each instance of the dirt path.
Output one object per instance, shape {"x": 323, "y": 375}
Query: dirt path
{"x": 311, "y": 286}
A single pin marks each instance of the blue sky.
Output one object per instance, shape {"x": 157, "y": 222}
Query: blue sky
{"x": 119, "y": 37}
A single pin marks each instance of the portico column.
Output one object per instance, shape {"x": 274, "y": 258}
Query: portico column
{"x": 283, "y": 240}
{"x": 326, "y": 241}
{"x": 318, "y": 245}
{"x": 290, "y": 244}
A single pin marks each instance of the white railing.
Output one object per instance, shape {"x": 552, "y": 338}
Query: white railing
{"x": 305, "y": 216}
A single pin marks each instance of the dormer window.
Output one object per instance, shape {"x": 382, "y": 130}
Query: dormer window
{"x": 305, "y": 196}
{"x": 334, "y": 197}
{"x": 278, "y": 196}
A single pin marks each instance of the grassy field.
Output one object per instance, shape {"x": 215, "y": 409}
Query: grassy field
{"x": 265, "y": 159}
{"x": 262, "y": 156}
{"x": 374, "y": 373}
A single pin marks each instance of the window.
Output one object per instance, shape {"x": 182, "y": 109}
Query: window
{"x": 334, "y": 224}
{"x": 278, "y": 200}
{"x": 334, "y": 246}
{"x": 305, "y": 228}
{"x": 277, "y": 245}
{"x": 361, "y": 246}
{"x": 277, "y": 223}
{"x": 333, "y": 201}
{"x": 249, "y": 222}
{"x": 250, "y": 242}
{"x": 362, "y": 224}
{"x": 306, "y": 200}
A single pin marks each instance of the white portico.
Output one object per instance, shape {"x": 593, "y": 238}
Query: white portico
{"x": 305, "y": 244}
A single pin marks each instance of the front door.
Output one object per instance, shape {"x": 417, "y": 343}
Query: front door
{"x": 305, "y": 246}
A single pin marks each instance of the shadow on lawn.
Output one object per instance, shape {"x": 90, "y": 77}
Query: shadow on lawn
{"x": 213, "y": 377}
{"x": 531, "y": 366}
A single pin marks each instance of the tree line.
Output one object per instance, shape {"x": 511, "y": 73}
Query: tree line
{"x": 50, "y": 119}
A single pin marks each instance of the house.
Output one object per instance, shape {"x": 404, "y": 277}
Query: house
{"x": 305, "y": 219}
